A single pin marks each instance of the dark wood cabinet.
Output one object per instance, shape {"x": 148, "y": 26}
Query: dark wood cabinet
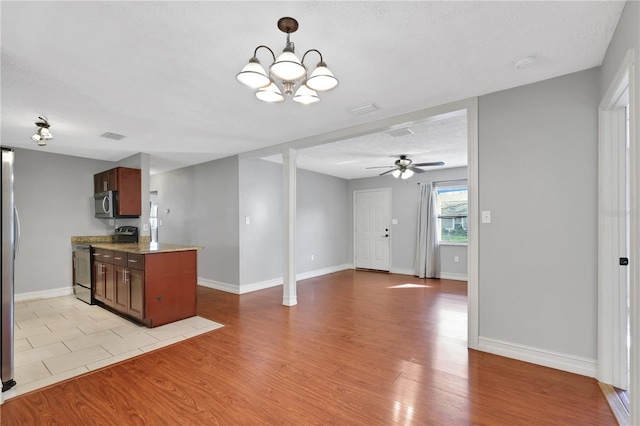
{"x": 104, "y": 278}
{"x": 154, "y": 288}
{"x": 106, "y": 181}
{"x": 127, "y": 183}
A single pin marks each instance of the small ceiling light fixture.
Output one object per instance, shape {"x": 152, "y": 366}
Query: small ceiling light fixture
{"x": 287, "y": 70}
{"x": 42, "y": 135}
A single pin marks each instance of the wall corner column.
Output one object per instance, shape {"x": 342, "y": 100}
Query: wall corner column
{"x": 289, "y": 296}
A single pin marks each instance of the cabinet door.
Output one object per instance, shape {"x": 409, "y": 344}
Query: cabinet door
{"x": 97, "y": 183}
{"x": 98, "y": 274}
{"x": 136, "y": 293}
{"x": 121, "y": 297}
{"x": 129, "y": 191}
{"x": 109, "y": 284}
{"x": 111, "y": 176}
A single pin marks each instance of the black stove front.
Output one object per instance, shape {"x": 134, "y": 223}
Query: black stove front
{"x": 126, "y": 234}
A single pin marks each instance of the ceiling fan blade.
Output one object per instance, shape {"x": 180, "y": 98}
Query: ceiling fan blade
{"x": 382, "y": 174}
{"x": 415, "y": 169}
{"x": 380, "y": 167}
{"x": 435, "y": 163}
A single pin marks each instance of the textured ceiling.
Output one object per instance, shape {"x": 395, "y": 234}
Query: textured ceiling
{"x": 163, "y": 73}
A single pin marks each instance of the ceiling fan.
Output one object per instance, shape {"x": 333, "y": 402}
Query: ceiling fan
{"x": 404, "y": 167}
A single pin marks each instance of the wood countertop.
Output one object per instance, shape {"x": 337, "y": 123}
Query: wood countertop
{"x": 144, "y": 248}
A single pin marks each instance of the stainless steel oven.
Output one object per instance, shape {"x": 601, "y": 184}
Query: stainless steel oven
{"x": 82, "y": 272}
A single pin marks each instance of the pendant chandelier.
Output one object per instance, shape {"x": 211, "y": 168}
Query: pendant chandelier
{"x": 286, "y": 71}
{"x": 42, "y": 135}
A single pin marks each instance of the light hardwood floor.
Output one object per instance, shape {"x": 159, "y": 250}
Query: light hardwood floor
{"x": 360, "y": 348}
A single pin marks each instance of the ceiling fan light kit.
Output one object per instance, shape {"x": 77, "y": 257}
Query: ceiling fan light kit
{"x": 287, "y": 70}
{"x": 43, "y": 134}
{"x": 404, "y": 168}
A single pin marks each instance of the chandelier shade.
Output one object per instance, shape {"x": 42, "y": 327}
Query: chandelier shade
{"x": 288, "y": 67}
{"x": 321, "y": 79}
{"x": 271, "y": 93}
{"x": 287, "y": 73}
{"x": 253, "y": 75}
{"x": 306, "y": 96}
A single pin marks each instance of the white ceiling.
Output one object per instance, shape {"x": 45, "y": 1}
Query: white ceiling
{"x": 163, "y": 73}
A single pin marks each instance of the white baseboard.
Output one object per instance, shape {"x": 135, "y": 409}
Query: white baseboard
{"x": 323, "y": 271}
{"x": 217, "y": 285}
{"x": 451, "y": 276}
{"x": 564, "y": 362}
{"x": 274, "y": 282}
{"x": 403, "y": 271}
{"x": 44, "y": 294}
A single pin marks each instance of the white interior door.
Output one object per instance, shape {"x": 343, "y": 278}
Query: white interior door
{"x": 614, "y": 244}
{"x": 372, "y": 226}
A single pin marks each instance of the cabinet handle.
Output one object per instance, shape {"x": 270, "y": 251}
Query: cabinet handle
{"x": 107, "y": 255}
{"x": 117, "y": 258}
{"x": 97, "y": 254}
{"x": 133, "y": 261}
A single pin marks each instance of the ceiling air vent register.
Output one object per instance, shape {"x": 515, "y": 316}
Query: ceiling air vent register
{"x": 114, "y": 136}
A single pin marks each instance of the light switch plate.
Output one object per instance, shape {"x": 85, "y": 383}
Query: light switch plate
{"x": 486, "y": 216}
{"x": 145, "y": 227}
{"x": 394, "y": 221}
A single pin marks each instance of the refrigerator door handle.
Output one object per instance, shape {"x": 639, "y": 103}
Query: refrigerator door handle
{"x": 17, "y": 233}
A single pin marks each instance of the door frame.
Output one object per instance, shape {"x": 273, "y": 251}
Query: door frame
{"x": 608, "y": 308}
{"x": 355, "y": 215}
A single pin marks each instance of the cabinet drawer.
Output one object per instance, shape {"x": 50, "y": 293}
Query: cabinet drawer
{"x": 107, "y": 256}
{"x": 120, "y": 258}
{"x": 135, "y": 261}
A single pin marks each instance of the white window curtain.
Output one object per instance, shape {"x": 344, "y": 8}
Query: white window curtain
{"x": 427, "y": 263}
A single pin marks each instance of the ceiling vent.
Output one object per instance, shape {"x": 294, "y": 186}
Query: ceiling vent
{"x": 400, "y": 132}
{"x": 114, "y": 136}
{"x": 363, "y": 109}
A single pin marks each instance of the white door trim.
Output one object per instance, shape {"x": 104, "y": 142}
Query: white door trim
{"x": 355, "y": 215}
{"x": 608, "y": 295}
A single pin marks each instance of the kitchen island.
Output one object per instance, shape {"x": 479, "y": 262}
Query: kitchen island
{"x": 152, "y": 283}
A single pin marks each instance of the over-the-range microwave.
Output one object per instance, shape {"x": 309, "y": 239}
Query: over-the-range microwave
{"x": 106, "y": 204}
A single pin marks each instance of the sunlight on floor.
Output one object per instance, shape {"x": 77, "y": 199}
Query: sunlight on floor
{"x": 411, "y": 286}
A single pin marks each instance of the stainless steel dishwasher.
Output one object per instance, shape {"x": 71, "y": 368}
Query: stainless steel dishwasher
{"x": 82, "y": 269}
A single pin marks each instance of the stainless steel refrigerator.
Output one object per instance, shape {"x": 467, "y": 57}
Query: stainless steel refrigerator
{"x": 10, "y": 241}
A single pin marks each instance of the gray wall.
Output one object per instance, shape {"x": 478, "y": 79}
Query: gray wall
{"x": 199, "y": 205}
{"x": 538, "y": 177}
{"x": 321, "y": 221}
{"x": 54, "y": 195}
{"x": 261, "y": 240}
{"x": 626, "y": 36}
{"x": 405, "y": 195}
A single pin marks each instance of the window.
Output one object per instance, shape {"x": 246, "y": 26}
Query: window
{"x": 453, "y": 209}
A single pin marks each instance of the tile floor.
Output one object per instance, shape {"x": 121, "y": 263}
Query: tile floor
{"x": 62, "y": 337}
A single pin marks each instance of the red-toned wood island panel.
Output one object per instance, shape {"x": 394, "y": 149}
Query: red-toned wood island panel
{"x": 170, "y": 281}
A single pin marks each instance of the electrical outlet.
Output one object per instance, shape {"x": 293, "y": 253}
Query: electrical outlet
{"x": 456, "y": 259}
{"x": 313, "y": 257}
{"x": 145, "y": 227}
